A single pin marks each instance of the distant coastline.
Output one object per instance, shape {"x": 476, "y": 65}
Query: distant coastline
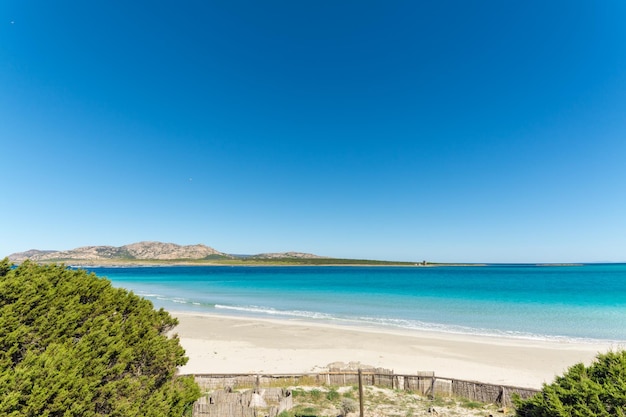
{"x": 165, "y": 254}
{"x": 257, "y": 263}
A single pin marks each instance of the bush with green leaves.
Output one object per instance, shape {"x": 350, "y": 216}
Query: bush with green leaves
{"x": 73, "y": 345}
{"x": 597, "y": 390}
{"x": 332, "y": 395}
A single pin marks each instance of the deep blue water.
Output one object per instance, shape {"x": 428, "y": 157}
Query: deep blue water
{"x": 545, "y": 302}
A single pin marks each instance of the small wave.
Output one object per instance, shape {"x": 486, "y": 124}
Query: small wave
{"x": 404, "y": 324}
{"x": 272, "y": 311}
{"x": 176, "y": 300}
{"x": 148, "y": 295}
{"x": 465, "y": 330}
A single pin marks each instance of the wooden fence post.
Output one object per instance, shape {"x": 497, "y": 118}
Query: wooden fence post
{"x": 360, "y": 393}
{"x": 432, "y": 387}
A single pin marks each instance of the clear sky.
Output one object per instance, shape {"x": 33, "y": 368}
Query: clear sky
{"x": 448, "y": 131}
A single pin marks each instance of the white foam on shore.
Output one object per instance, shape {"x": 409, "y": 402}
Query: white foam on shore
{"x": 411, "y": 325}
{"x": 255, "y": 311}
{"x": 274, "y": 312}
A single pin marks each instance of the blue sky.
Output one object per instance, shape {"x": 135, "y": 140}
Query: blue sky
{"x": 450, "y": 131}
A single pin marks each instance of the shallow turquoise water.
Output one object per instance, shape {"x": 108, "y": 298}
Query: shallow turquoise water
{"x": 544, "y": 302}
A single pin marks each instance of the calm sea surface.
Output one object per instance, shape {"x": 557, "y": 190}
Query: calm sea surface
{"x": 537, "y": 302}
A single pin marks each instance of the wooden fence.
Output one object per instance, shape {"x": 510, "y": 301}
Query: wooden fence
{"x": 272, "y": 389}
{"x": 252, "y": 403}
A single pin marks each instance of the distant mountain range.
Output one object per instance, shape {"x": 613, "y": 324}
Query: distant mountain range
{"x": 144, "y": 251}
{"x": 159, "y": 253}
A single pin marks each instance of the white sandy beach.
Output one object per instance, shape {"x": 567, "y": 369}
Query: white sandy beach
{"x": 223, "y": 344}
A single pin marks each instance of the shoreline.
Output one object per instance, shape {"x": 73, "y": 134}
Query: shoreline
{"x": 217, "y": 343}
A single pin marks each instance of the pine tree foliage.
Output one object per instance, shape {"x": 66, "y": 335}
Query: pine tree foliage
{"x": 597, "y": 390}
{"x": 72, "y": 345}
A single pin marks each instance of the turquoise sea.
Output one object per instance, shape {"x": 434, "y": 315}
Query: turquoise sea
{"x": 520, "y": 301}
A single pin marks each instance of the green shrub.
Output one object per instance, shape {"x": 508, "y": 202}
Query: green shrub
{"x": 597, "y": 390}
{"x": 315, "y": 394}
{"x": 306, "y": 411}
{"x": 298, "y": 392}
{"x": 332, "y": 395}
{"x": 72, "y": 345}
{"x": 466, "y": 403}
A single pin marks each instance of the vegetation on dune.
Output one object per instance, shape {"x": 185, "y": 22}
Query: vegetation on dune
{"x": 72, "y": 345}
{"x": 597, "y": 390}
{"x": 329, "y": 401}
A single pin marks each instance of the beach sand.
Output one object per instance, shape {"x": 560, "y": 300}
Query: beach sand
{"x": 224, "y": 344}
